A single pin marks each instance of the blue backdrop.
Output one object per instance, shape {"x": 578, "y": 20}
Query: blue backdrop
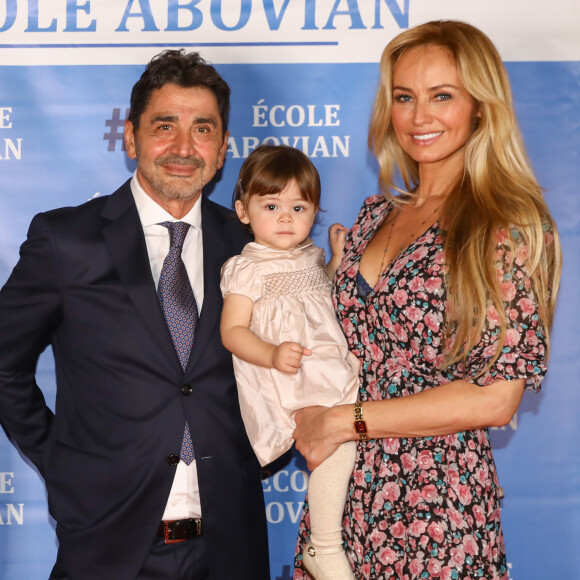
{"x": 60, "y": 144}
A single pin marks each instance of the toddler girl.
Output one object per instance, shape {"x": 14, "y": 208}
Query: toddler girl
{"x": 289, "y": 351}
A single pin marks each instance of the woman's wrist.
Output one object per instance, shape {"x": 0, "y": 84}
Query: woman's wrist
{"x": 359, "y": 423}
{"x": 340, "y": 424}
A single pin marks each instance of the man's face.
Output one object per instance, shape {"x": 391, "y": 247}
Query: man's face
{"x": 179, "y": 145}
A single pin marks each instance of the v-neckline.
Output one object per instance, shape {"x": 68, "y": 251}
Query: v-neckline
{"x": 389, "y": 265}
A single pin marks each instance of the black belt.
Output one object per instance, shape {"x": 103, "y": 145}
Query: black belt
{"x": 179, "y": 530}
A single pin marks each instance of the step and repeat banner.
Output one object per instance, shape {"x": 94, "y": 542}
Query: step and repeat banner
{"x": 304, "y": 73}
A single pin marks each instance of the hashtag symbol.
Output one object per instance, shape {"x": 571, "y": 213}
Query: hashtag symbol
{"x": 116, "y": 125}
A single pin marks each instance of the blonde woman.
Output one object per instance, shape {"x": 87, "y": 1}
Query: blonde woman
{"x": 445, "y": 292}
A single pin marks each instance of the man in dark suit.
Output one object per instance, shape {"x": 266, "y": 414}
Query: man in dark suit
{"x": 129, "y": 402}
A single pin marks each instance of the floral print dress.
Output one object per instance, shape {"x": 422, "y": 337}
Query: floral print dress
{"x": 427, "y": 507}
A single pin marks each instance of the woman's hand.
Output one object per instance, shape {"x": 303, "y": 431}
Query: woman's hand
{"x": 337, "y": 239}
{"x": 318, "y": 433}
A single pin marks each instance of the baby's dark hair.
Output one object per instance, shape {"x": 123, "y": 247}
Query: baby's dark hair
{"x": 269, "y": 169}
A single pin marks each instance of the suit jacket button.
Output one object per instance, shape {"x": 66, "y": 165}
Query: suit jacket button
{"x": 186, "y": 390}
{"x": 173, "y": 459}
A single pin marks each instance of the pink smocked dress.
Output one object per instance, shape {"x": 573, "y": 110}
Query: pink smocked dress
{"x": 426, "y": 507}
{"x": 291, "y": 299}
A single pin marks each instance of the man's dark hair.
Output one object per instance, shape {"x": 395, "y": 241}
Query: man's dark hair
{"x": 185, "y": 70}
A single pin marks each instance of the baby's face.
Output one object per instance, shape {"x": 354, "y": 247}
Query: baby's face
{"x": 278, "y": 220}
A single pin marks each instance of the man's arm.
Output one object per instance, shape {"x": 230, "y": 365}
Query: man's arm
{"x": 30, "y": 311}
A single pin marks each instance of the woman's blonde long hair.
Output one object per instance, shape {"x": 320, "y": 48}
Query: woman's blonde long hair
{"x": 496, "y": 190}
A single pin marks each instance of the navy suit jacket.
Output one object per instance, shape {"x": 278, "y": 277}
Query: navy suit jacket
{"x": 83, "y": 284}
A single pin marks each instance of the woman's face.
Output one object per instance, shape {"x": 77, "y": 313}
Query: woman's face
{"x": 433, "y": 115}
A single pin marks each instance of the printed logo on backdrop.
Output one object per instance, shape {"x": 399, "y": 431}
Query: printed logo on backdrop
{"x": 10, "y": 513}
{"x": 246, "y": 24}
{"x": 10, "y": 147}
{"x": 268, "y": 119}
{"x": 281, "y": 491}
{"x": 305, "y": 119}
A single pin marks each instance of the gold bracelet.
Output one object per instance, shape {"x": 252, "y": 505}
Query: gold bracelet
{"x": 359, "y": 423}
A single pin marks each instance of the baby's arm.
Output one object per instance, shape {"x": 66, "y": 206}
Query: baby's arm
{"x": 241, "y": 341}
{"x": 337, "y": 238}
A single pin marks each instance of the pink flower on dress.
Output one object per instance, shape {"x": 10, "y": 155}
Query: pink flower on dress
{"x": 455, "y": 517}
{"x": 501, "y": 236}
{"x": 508, "y": 291}
{"x": 358, "y": 515}
{"x": 359, "y": 477}
{"x": 432, "y": 322}
{"x": 415, "y": 284}
{"x": 378, "y": 502}
{"x": 481, "y": 475}
{"x": 527, "y": 306}
{"x": 434, "y": 567}
{"x": 512, "y": 337}
{"x": 522, "y": 255}
{"x": 416, "y": 566}
{"x": 436, "y": 531}
{"x": 400, "y": 332}
{"x": 429, "y": 353}
{"x": 532, "y": 338}
{"x": 398, "y": 530}
{"x": 472, "y": 459}
{"x": 392, "y": 445}
{"x": 489, "y": 351}
{"x": 452, "y": 477}
{"x": 417, "y": 527}
{"x": 419, "y": 253}
{"x": 364, "y": 335}
{"x": 457, "y": 555}
{"x": 348, "y": 327}
{"x": 400, "y": 297}
{"x": 377, "y": 538}
{"x": 509, "y": 358}
{"x": 464, "y": 494}
{"x": 429, "y": 492}
{"x": 386, "y": 320}
{"x": 347, "y": 299}
{"x": 376, "y": 353}
{"x": 425, "y": 460}
{"x": 433, "y": 284}
{"x": 414, "y": 314}
{"x": 492, "y": 317}
{"x": 408, "y": 461}
{"x": 479, "y": 515}
{"x": 393, "y": 367}
{"x": 391, "y": 491}
{"x": 470, "y": 545}
{"x": 387, "y": 556}
{"x": 383, "y": 469}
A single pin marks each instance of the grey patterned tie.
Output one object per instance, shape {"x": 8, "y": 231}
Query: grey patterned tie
{"x": 179, "y": 308}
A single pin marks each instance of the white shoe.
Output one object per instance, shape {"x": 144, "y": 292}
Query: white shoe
{"x": 326, "y": 563}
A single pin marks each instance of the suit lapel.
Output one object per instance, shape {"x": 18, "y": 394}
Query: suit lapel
{"x": 126, "y": 242}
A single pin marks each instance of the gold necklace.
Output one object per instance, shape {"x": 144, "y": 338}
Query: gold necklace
{"x": 407, "y": 239}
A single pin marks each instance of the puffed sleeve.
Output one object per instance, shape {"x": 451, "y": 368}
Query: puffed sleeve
{"x": 523, "y": 355}
{"x": 241, "y": 276}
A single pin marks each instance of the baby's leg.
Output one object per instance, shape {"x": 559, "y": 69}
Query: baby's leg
{"x": 324, "y": 556}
